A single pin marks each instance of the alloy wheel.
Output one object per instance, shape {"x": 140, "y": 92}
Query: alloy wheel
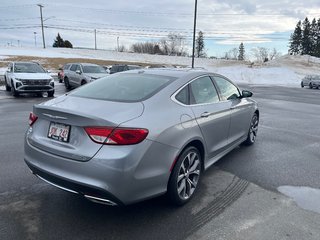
{"x": 188, "y": 175}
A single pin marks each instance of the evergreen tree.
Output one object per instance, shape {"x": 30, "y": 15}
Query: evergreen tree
{"x": 241, "y": 52}
{"x": 68, "y": 44}
{"x": 295, "y": 40}
{"x": 313, "y": 36}
{"x": 200, "y": 52}
{"x": 58, "y": 42}
{"x": 316, "y": 50}
{"x": 306, "y": 43}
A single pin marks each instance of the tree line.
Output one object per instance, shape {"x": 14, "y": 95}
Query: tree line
{"x": 306, "y": 38}
{"x": 173, "y": 45}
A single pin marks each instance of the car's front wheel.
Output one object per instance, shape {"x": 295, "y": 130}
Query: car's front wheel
{"x": 185, "y": 176}
{"x": 302, "y": 84}
{"x": 253, "y": 130}
{"x": 50, "y": 93}
{"x": 15, "y": 93}
{"x": 8, "y": 88}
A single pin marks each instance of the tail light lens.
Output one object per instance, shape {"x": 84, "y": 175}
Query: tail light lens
{"x": 116, "y": 136}
{"x": 32, "y": 118}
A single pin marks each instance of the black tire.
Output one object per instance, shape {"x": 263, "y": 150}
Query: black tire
{"x": 302, "y": 85}
{"x": 8, "y": 88}
{"x": 50, "y": 93}
{"x": 185, "y": 177}
{"x": 66, "y": 83}
{"x": 310, "y": 85}
{"x": 253, "y": 130}
{"x": 15, "y": 93}
{"x": 83, "y": 82}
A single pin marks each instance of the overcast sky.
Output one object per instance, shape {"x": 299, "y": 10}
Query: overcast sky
{"x": 225, "y": 23}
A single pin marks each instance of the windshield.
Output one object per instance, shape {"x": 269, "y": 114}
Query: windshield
{"x": 28, "y": 68}
{"x": 129, "y": 87}
{"x": 93, "y": 69}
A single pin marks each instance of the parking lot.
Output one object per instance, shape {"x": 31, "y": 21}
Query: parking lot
{"x": 238, "y": 198}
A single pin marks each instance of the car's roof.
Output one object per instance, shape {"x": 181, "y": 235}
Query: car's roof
{"x": 84, "y": 64}
{"x": 171, "y": 72}
{"x": 25, "y": 62}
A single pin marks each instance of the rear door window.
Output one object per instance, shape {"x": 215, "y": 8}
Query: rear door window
{"x": 183, "y": 96}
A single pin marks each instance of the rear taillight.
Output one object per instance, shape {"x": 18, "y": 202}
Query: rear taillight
{"x": 32, "y": 118}
{"x": 116, "y": 136}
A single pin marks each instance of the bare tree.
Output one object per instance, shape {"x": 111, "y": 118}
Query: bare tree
{"x": 260, "y": 53}
{"x": 121, "y": 48}
{"x": 274, "y": 54}
{"x": 263, "y": 54}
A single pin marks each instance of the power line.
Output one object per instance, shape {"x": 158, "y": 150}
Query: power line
{"x": 17, "y": 6}
{"x": 116, "y": 11}
{"x": 152, "y": 35}
{"x": 17, "y": 19}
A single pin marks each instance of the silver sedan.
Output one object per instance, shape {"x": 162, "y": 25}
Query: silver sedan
{"x": 139, "y": 134}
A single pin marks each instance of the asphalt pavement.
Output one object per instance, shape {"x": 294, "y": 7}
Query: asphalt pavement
{"x": 238, "y": 198}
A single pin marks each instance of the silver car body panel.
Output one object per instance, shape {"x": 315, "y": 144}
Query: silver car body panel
{"x": 131, "y": 173}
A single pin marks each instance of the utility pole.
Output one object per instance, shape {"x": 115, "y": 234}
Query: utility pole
{"x": 43, "y": 41}
{"x": 194, "y": 32}
{"x": 95, "y": 39}
{"x": 118, "y": 43}
{"x": 35, "y": 39}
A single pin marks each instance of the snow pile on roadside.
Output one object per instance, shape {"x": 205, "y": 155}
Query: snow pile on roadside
{"x": 286, "y": 70}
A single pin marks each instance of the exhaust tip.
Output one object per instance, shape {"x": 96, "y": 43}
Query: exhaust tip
{"x": 100, "y": 200}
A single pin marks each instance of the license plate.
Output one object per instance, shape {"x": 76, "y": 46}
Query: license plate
{"x": 59, "y": 132}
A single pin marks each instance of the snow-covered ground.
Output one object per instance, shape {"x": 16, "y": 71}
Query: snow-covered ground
{"x": 287, "y": 70}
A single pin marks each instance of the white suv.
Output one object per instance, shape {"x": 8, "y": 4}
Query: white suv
{"x": 28, "y": 77}
{"x": 81, "y": 73}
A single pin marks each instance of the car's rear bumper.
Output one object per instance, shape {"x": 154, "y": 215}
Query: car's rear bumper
{"x": 88, "y": 191}
{"x": 126, "y": 176}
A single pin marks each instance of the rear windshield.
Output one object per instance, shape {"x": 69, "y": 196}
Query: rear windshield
{"x": 125, "y": 87}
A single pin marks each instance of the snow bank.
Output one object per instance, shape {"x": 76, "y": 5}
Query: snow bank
{"x": 286, "y": 70}
{"x": 266, "y": 76}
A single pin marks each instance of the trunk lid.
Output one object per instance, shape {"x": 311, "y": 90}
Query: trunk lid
{"x": 77, "y": 113}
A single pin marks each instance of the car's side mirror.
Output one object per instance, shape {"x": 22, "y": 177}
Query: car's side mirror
{"x": 78, "y": 72}
{"x": 246, "y": 94}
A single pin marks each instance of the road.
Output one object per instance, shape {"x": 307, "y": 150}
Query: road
{"x": 240, "y": 188}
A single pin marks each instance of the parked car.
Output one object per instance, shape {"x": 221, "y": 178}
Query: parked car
{"x": 61, "y": 72}
{"x": 123, "y": 67}
{"x": 307, "y": 80}
{"x": 77, "y": 74}
{"x": 107, "y": 68}
{"x": 315, "y": 82}
{"x": 139, "y": 134}
{"x": 28, "y": 77}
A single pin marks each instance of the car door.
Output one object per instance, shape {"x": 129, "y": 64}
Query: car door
{"x": 71, "y": 74}
{"x": 241, "y": 109}
{"x": 212, "y": 115}
{"x": 78, "y": 75}
{"x": 9, "y": 73}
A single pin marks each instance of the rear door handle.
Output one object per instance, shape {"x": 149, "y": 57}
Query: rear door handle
{"x": 205, "y": 114}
